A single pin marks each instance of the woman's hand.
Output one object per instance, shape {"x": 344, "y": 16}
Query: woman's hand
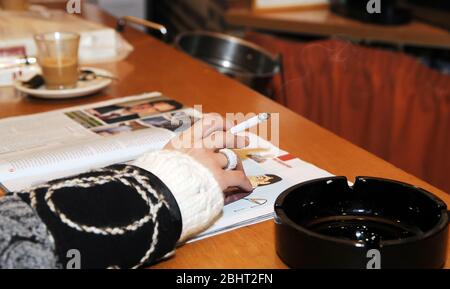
{"x": 203, "y": 141}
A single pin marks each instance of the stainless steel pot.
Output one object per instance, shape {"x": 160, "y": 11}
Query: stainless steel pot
{"x": 232, "y": 56}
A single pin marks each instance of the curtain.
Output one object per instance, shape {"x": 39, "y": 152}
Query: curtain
{"x": 384, "y": 101}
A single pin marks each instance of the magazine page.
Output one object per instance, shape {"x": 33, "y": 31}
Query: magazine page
{"x": 60, "y": 143}
{"x": 271, "y": 171}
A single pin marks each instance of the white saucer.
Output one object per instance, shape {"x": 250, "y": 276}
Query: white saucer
{"x": 83, "y": 87}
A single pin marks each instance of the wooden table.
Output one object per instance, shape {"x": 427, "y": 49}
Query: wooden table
{"x": 323, "y": 22}
{"x": 155, "y": 66}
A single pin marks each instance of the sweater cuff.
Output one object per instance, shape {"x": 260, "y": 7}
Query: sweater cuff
{"x": 194, "y": 187}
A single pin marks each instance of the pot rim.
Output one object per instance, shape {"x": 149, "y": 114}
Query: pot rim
{"x": 436, "y": 229}
{"x": 275, "y": 58}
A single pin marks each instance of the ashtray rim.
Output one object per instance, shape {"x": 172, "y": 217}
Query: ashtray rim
{"x": 282, "y": 217}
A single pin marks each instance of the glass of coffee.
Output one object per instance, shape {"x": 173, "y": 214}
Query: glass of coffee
{"x": 58, "y": 58}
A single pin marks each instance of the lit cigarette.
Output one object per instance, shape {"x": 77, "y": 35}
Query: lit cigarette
{"x": 250, "y": 122}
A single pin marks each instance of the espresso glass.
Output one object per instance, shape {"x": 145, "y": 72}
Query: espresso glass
{"x": 57, "y": 54}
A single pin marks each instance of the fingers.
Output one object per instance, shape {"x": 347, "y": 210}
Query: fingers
{"x": 234, "y": 195}
{"x": 238, "y": 179}
{"x": 219, "y": 140}
{"x": 210, "y": 132}
{"x": 239, "y": 166}
{"x": 233, "y": 178}
{"x": 221, "y": 160}
{"x": 202, "y": 128}
{"x": 213, "y": 122}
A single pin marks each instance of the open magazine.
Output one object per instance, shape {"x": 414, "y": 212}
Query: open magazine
{"x": 40, "y": 147}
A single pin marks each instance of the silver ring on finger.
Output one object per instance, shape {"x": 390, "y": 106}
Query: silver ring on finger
{"x": 231, "y": 158}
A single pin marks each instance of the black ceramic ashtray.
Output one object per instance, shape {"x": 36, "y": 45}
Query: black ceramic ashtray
{"x": 376, "y": 223}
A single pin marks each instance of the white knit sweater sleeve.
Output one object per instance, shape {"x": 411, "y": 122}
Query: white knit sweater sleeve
{"x": 194, "y": 187}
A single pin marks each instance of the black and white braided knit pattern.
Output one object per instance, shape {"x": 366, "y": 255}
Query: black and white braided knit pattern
{"x": 117, "y": 217}
{"x": 24, "y": 239}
